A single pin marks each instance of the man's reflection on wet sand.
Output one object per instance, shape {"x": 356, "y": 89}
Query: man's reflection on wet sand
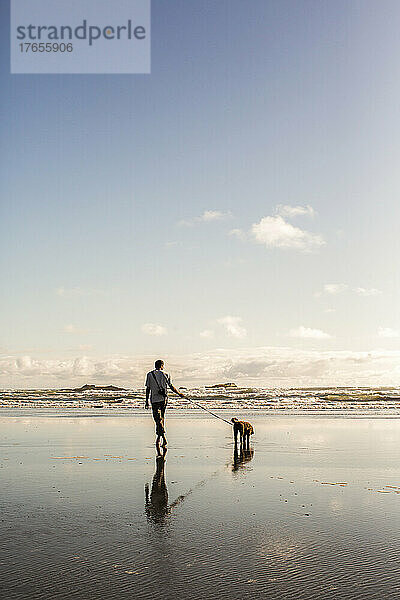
{"x": 241, "y": 456}
{"x": 156, "y": 504}
{"x": 156, "y": 500}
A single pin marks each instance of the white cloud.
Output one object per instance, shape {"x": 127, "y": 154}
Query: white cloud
{"x": 73, "y": 329}
{"x": 207, "y": 217}
{"x": 367, "y": 292}
{"x": 238, "y": 233}
{"x": 339, "y": 288}
{"x": 78, "y": 292}
{"x": 335, "y": 288}
{"x": 275, "y": 232}
{"x": 330, "y": 310}
{"x": 207, "y": 333}
{"x": 61, "y": 291}
{"x": 234, "y": 262}
{"x": 154, "y": 329}
{"x": 232, "y": 326}
{"x": 294, "y": 211}
{"x": 262, "y": 366}
{"x": 214, "y": 215}
{"x": 388, "y": 332}
{"x": 307, "y": 332}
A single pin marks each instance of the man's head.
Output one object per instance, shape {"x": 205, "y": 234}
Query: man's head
{"x": 159, "y": 364}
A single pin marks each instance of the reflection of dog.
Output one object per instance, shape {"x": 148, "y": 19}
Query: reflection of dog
{"x": 240, "y": 458}
{"x": 244, "y": 429}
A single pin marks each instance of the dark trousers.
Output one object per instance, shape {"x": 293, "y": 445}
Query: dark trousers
{"x": 158, "y": 416}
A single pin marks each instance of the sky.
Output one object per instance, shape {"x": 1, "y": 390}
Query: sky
{"x": 235, "y": 212}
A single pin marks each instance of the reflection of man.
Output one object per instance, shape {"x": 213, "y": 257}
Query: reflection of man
{"x": 157, "y": 500}
{"x": 157, "y": 384}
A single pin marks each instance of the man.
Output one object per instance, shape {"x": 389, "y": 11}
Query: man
{"x": 157, "y": 384}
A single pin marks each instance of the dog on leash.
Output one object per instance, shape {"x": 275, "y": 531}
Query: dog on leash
{"x": 244, "y": 429}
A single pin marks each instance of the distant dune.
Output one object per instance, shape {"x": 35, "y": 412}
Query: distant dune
{"x": 221, "y": 385}
{"x": 104, "y": 388}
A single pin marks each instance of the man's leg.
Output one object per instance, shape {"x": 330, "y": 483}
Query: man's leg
{"x": 162, "y": 411}
{"x": 158, "y": 416}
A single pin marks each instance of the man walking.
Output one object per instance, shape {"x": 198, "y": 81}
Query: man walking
{"x": 157, "y": 384}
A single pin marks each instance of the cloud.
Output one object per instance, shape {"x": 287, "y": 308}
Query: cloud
{"x": 237, "y": 233}
{"x": 207, "y": 333}
{"x": 154, "y": 329}
{"x": 234, "y": 262}
{"x": 272, "y": 367}
{"x": 232, "y": 326}
{"x": 335, "y": 288}
{"x": 77, "y": 292}
{"x": 207, "y": 217}
{"x": 388, "y": 332}
{"x": 214, "y": 215}
{"x": 63, "y": 292}
{"x": 308, "y": 333}
{"x": 367, "y": 292}
{"x": 339, "y": 288}
{"x": 294, "y": 211}
{"x": 74, "y": 330}
{"x": 275, "y": 232}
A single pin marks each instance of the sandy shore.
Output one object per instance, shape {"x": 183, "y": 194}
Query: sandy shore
{"x": 87, "y": 511}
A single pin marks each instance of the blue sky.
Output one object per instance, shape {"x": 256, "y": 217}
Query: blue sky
{"x": 120, "y": 194}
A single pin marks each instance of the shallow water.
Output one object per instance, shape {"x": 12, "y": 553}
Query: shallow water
{"x": 75, "y": 522}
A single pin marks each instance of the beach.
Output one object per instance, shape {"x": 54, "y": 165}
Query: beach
{"x": 87, "y": 511}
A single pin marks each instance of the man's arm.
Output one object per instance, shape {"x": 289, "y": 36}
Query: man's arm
{"x": 147, "y": 397}
{"x": 173, "y": 388}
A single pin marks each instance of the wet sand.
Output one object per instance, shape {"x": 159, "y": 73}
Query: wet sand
{"x": 88, "y": 512}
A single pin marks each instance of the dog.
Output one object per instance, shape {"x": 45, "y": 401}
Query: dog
{"x": 244, "y": 429}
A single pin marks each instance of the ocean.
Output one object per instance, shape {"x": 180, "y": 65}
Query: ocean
{"x": 322, "y": 399}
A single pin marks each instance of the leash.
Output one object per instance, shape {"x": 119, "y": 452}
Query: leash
{"x": 209, "y": 411}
